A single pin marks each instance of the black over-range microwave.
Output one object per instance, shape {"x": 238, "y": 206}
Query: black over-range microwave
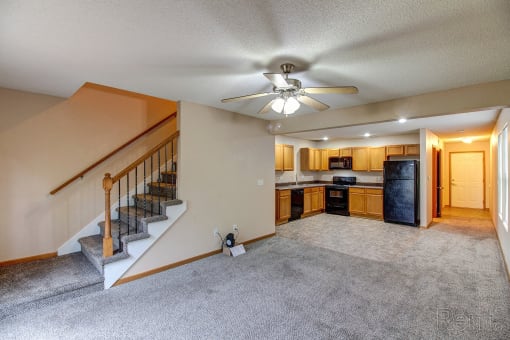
{"x": 340, "y": 163}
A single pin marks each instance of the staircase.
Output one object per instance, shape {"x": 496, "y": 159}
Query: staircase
{"x": 131, "y": 223}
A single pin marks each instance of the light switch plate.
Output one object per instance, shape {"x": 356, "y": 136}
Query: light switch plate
{"x": 260, "y": 182}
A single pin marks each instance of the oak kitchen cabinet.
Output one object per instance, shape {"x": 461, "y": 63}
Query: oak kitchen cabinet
{"x": 284, "y": 157}
{"x": 368, "y": 159}
{"x": 283, "y": 206}
{"x": 314, "y": 159}
{"x": 313, "y": 200}
{"x": 345, "y": 152}
{"x": 403, "y": 150}
{"x": 366, "y": 202}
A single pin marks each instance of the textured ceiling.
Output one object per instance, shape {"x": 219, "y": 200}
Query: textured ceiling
{"x": 202, "y": 51}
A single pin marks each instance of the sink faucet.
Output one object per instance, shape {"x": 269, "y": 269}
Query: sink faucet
{"x": 296, "y": 179}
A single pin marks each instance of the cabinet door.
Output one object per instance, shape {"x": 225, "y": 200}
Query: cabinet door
{"x": 306, "y": 158}
{"x": 288, "y": 157}
{"x": 324, "y": 160}
{"x": 321, "y": 198}
{"x": 374, "y": 199}
{"x": 284, "y": 205}
{"x": 307, "y": 201}
{"x": 357, "y": 201}
{"x": 278, "y": 157}
{"x": 394, "y": 150}
{"x": 316, "y": 159}
{"x": 359, "y": 159}
{"x": 345, "y": 152}
{"x": 315, "y": 199}
{"x": 412, "y": 149}
{"x": 377, "y": 158}
{"x": 333, "y": 152}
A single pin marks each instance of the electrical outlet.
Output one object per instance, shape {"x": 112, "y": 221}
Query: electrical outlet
{"x": 235, "y": 227}
{"x": 215, "y": 232}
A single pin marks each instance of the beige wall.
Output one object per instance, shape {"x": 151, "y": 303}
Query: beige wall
{"x": 49, "y": 140}
{"x": 222, "y": 155}
{"x": 503, "y": 233}
{"x": 464, "y": 99}
{"x": 427, "y": 140}
{"x": 483, "y": 146}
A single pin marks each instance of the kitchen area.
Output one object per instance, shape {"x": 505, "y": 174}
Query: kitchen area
{"x": 369, "y": 178}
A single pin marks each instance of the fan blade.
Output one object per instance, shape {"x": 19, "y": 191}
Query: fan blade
{"x": 337, "y": 89}
{"x": 249, "y": 96}
{"x": 266, "y": 107}
{"x": 277, "y": 79}
{"x": 314, "y": 103}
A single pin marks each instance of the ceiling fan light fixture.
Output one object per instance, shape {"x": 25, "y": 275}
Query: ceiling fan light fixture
{"x": 278, "y": 104}
{"x": 291, "y": 106}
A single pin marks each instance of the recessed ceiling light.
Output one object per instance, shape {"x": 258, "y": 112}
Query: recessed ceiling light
{"x": 325, "y": 138}
{"x": 402, "y": 120}
{"x": 366, "y": 134}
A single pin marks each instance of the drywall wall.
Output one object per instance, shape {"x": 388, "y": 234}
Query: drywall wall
{"x": 42, "y": 149}
{"x": 222, "y": 156}
{"x": 449, "y": 147}
{"x": 464, "y": 99}
{"x": 18, "y": 106}
{"x": 503, "y": 233}
{"x": 427, "y": 140}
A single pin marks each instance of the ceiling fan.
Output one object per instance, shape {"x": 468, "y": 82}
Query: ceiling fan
{"x": 291, "y": 94}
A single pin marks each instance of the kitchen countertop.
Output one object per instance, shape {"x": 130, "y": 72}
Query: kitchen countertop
{"x": 310, "y": 185}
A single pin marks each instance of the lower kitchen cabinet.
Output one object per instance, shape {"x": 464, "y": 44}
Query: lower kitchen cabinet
{"x": 313, "y": 201}
{"x": 283, "y": 200}
{"x": 367, "y": 202}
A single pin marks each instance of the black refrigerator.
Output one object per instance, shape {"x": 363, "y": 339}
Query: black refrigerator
{"x": 401, "y": 192}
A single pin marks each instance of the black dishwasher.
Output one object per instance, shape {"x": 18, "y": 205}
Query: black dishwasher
{"x": 296, "y": 207}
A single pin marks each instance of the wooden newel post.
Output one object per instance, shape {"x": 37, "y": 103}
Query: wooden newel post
{"x": 107, "y": 239}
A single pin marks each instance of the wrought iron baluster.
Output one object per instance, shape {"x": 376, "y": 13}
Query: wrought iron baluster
{"x": 144, "y": 191}
{"x": 159, "y": 182}
{"x": 136, "y": 199}
{"x": 127, "y": 202}
{"x": 118, "y": 218}
{"x": 152, "y": 182}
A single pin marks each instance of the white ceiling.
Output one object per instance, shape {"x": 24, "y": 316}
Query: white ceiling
{"x": 202, "y": 50}
{"x": 474, "y": 125}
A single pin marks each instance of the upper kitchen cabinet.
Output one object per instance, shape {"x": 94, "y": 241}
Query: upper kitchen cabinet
{"x": 324, "y": 160}
{"x": 314, "y": 159}
{"x": 395, "y": 150}
{"x": 283, "y": 157}
{"x": 359, "y": 159}
{"x": 345, "y": 152}
{"x": 368, "y": 159}
{"x": 412, "y": 149}
{"x": 333, "y": 152}
{"x": 403, "y": 150}
{"x": 377, "y": 158}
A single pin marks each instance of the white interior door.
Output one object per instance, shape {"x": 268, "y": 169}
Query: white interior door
{"x": 466, "y": 180}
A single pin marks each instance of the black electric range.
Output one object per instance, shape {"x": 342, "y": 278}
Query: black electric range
{"x": 337, "y": 195}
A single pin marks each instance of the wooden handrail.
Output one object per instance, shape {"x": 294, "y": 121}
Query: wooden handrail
{"x": 141, "y": 159}
{"x": 83, "y": 172}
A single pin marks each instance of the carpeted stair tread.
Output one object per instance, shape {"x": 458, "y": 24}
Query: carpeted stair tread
{"x": 161, "y": 184}
{"x": 150, "y": 202}
{"x": 163, "y": 189}
{"x": 115, "y": 225}
{"x": 133, "y": 212}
